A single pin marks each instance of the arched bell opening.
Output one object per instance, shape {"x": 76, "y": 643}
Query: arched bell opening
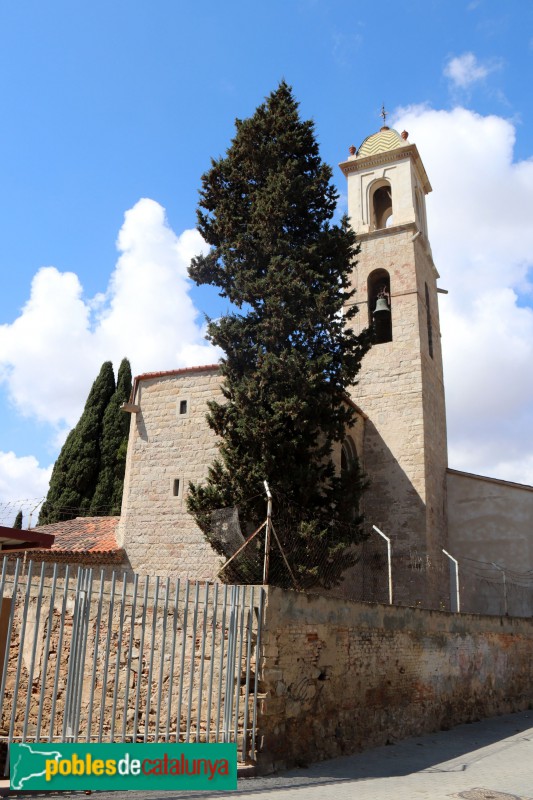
{"x": 379, "y": 306}
{"x": 381, "y": 205}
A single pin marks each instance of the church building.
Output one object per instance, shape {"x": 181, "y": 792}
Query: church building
{"x": 400, "y": 433}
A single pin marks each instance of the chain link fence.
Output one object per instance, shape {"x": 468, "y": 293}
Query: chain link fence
{"x": 374, "y": 570}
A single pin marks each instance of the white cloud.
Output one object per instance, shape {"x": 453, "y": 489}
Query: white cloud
{"x": 23, "y": 483}
{"x": 482, "y": 240}
{"x": 465, "y": 70}
{"x": 52, "y": 352}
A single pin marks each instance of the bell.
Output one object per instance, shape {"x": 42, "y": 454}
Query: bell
{"x": 381, "y": 306}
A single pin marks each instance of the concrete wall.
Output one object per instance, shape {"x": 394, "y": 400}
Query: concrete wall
{"x": 338, "y": 677}
{"x": 491, "y": 521}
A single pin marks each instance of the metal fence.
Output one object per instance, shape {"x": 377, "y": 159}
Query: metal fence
{"x": 377, "y": 570}
{"x": 122, "y": 658}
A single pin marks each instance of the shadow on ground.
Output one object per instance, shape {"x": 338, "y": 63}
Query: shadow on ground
{"x": 441, "y": 752}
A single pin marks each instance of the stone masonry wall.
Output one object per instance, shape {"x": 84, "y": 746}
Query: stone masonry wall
{"x": 338, "y": 677}
{"x": 389, "y": 391}
{"x": 156, "y": 531}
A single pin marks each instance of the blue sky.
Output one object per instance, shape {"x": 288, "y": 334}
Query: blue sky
{"x": 114, "y": 109}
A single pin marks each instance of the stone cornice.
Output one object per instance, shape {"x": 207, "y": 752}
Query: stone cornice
{"x": 388, "y": 157}
{"x": 406, "y": 227}
{"x": 381, "y": 232}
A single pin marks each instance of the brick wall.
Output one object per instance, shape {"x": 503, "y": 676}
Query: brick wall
{"x": 338, "y": 677}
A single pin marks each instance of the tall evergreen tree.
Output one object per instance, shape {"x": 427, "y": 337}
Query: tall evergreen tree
{"x": 18, "y": 521}
{"x": 290, "y": 354}
{"x": 107, "y": 498}
{"x": 76, "y": 470}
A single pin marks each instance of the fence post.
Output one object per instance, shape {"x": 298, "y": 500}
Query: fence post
{"x": 267, "y": 534}
{"x": 389, "y": 559}
{"x": 505, "y": 608}
{"x": 457, "y": 597}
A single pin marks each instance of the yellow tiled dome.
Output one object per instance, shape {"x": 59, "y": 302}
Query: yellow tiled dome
{"x": 385, "y": 139}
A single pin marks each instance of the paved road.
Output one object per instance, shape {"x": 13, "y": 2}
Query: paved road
{"x": 488, "y": 760}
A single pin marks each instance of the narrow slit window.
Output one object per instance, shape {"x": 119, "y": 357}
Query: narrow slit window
{"x": 183, "y": 406}
{"x": 176, "y": 487}
{"x": 430, "y": 327}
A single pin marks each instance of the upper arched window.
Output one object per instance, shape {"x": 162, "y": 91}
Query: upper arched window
{"x": 379, "y": 305}
{"x": 381, "y": 205}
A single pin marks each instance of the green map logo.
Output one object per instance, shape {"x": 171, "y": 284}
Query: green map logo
{"x": 100, "y": 767}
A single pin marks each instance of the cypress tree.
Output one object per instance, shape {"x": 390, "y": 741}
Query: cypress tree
{"x": 18, "y": 521}
{"x": 107, "y": 498}
{"x": 289, "y": 354}
{"x": 76, "y": 470}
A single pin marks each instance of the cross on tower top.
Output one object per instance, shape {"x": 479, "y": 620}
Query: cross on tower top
{"x": 384, "y": 114}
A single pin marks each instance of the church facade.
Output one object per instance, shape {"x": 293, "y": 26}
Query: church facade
{"x": 400, "y": 433}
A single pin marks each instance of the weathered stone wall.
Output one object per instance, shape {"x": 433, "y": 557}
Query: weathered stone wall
{"x": 338, "y": 677}
{"x": 156, "y": 531}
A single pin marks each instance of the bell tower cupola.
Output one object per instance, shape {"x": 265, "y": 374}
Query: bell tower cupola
{"x": 400, "y": 387}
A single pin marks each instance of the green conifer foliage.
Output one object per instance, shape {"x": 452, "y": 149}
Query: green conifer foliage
{"x": 266, "y": 210}
{"x": 18, "y": 521}
{"x": 107, "y": 498}
{"x": 76, "y": 470}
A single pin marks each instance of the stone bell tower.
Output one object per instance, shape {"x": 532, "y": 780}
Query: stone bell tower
{"x": 401, "y": 382}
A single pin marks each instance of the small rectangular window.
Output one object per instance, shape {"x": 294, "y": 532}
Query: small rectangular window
{"x": 176, "y": 487}
{"x": 183, "y": 406}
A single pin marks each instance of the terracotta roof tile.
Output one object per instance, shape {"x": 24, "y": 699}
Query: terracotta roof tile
{"x": 83, "y": 535}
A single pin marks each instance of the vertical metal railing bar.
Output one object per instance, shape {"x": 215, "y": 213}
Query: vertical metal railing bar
{"x": 86, "y": 618}
{"x": 117, "y": 660}
{"x": 228, "y": 694}
{"x": 58, "y": 653}
{"x": 95, "y": 656}
{"x": 172, "y": 657}
{"x": 8, "y": 637}
{"x": 233, "y": 662}
{"x": 6, "y": 653}
{"x": 238, "y": 670}
{"x": 193, "y": 659}
{"x": 72, "y": 660}
{"x": 257, "y": 666}
{"x": 212, "y": 664}
{"x": 247, "y": 678}
{"x": 128, "y": 659}
{"x": 106, "y": 656}
{"x": 16, "y": 685}
{"x": 3, "y": 580}
{"x": 182, "y": 658}
{"x": 202, "y": 662}
{"x": 221, "y": 659}
{"x": 33, "y": 652}
{"x": 151, "y": 662}
{"x": 8, "y": 646}
{"x": 44, "y": 667}
{"x": 162, "y": 660}
{"x": 140, "y": 662}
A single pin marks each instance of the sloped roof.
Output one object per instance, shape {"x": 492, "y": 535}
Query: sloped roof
{"x": 81, "y": 539}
